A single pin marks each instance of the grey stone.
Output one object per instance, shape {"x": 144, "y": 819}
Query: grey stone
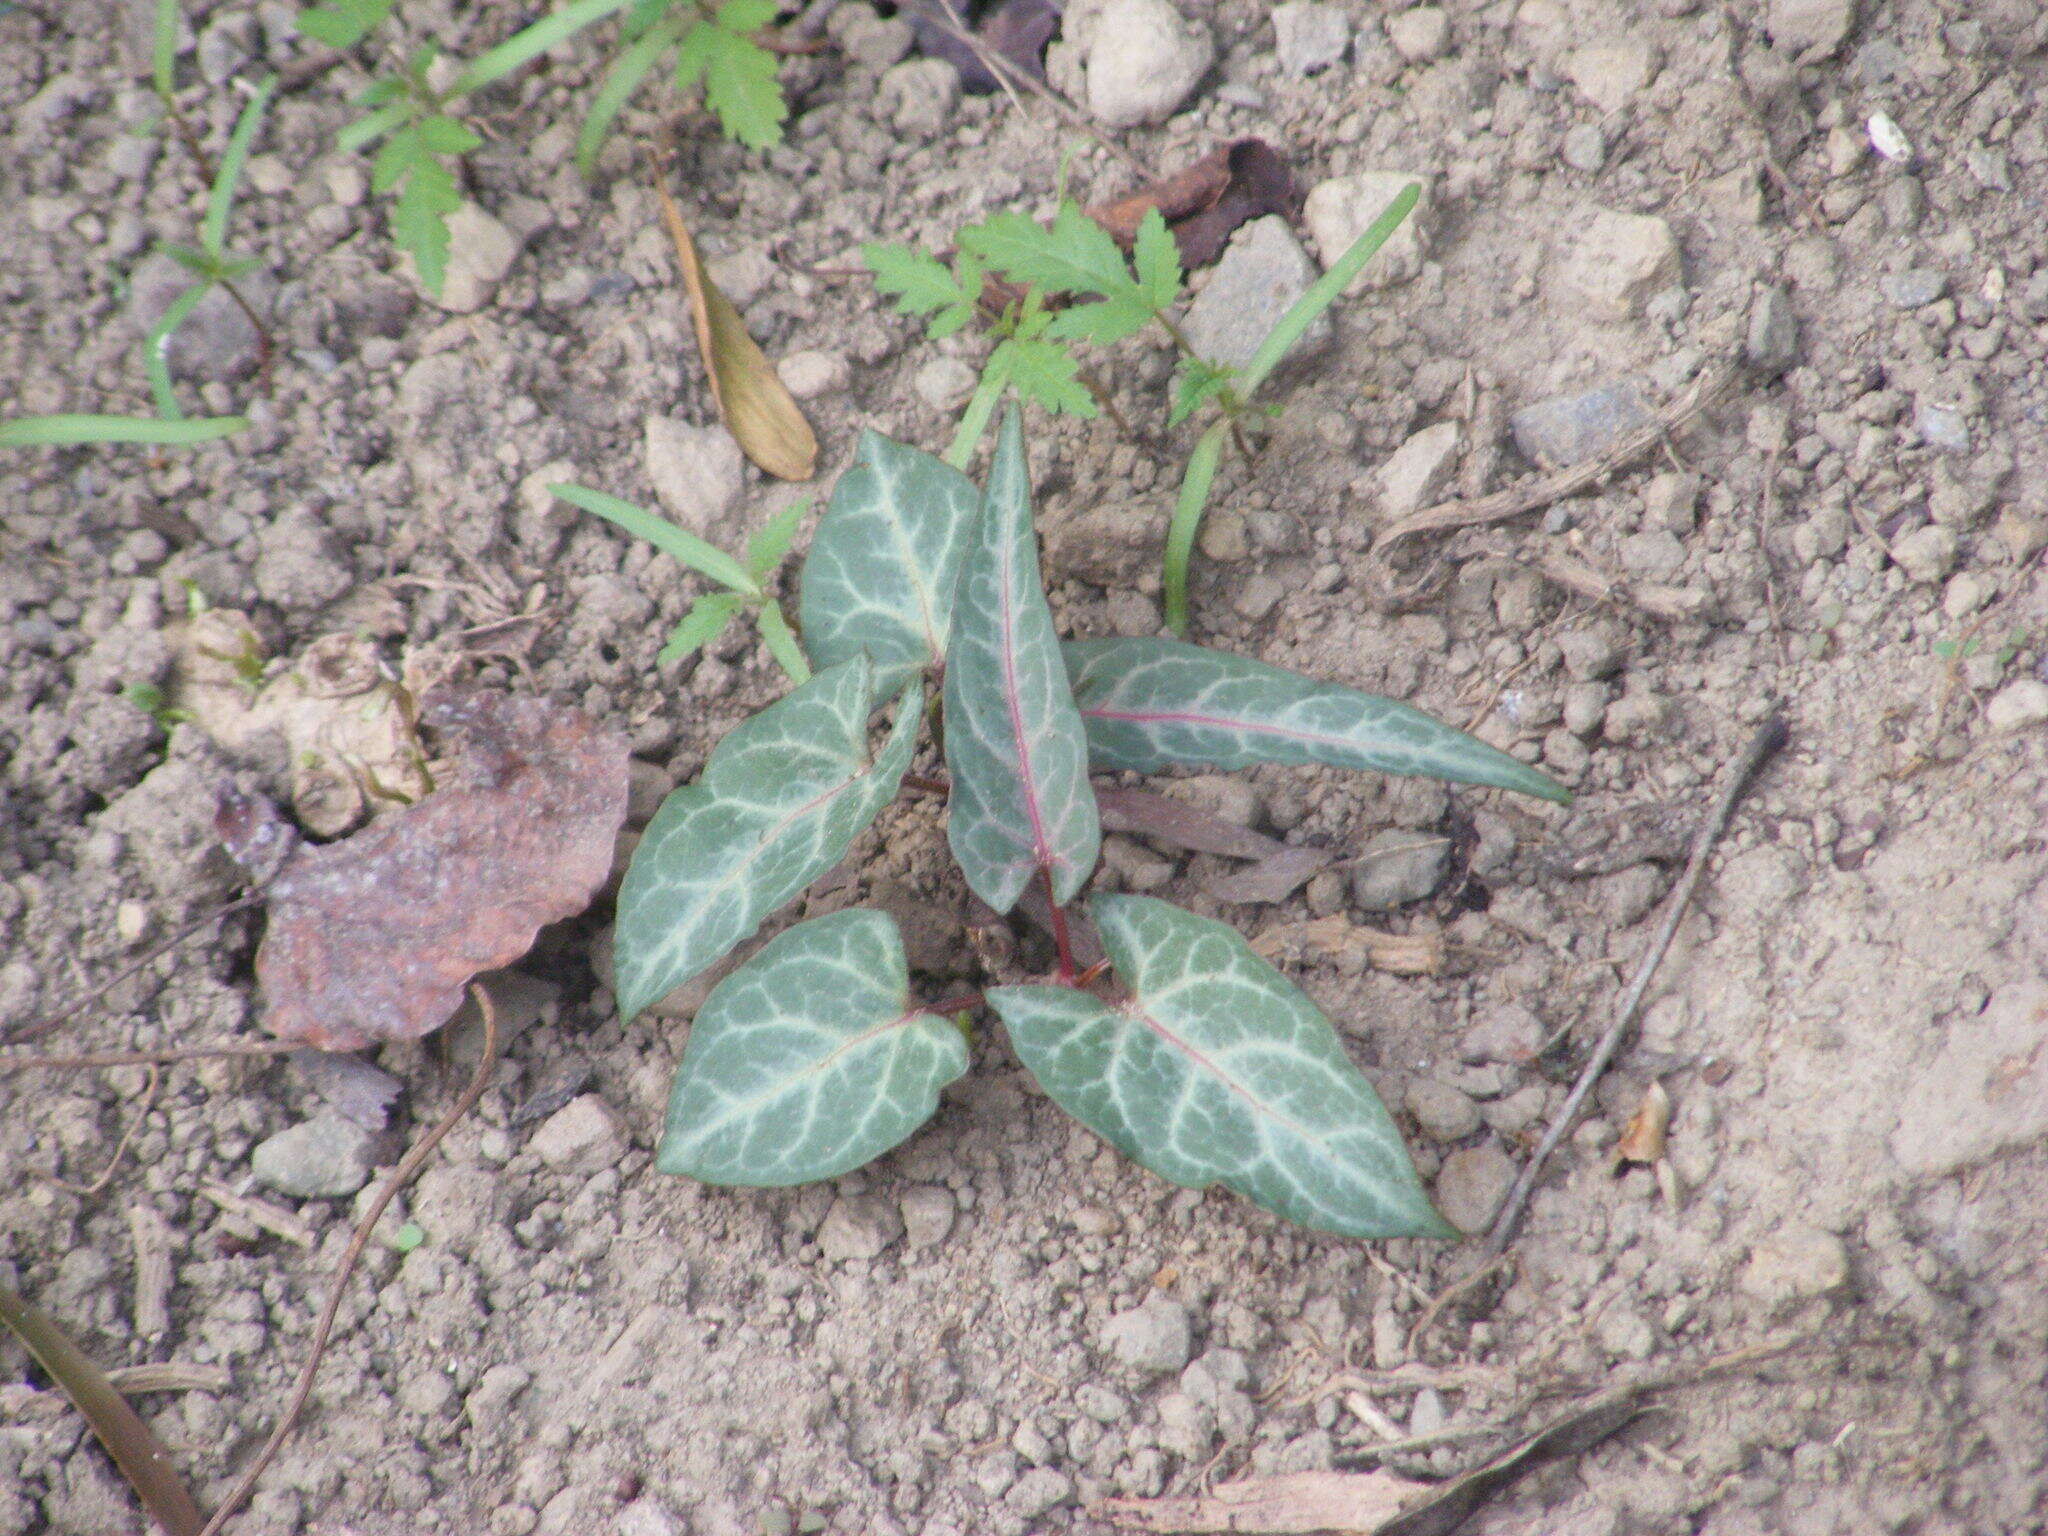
{"x": 1566, "y": 429}
{"x": 744, "y": 275}
{"x": 299, "y": 562}
{"x": 1771, "y": 343}
{"x": 481, "y": 251}
{"x": 1619, "y": 261}
{"x": 1654, "y": 553}
{"x": 944, "y": 383}
{"x": 1671, "y": 501}
{"x": 1418, "y": 470}
{"x": 1309, "y": 36}
{"x": 1153, "y": 1338}
{"x": 1927, "y": 554}
{"x": 919, "y": 96}
{"x": 1038, "y": 1491}
{"x": 1443, "y": 1113}
{"x": 1257, "y": 595}
{"x": 1812, "y": 29}
{"x": 1992, "y": 1074}
{"x": 927, "y": 1215}
{"x": 1145, "y": 61}
{"x": 1796, "y": 1263}
{"x": 1472, "y": 1184}
{"x": 1941, "y": 425}
{"x": 1341, "y": 209}
{"x": 1636, "y": 718}
{"x": 1396, "y": 867}
{"x": 858, "y": 1227}
{"x": 1100, "y": 1403}
{"x": 325, "y": 1158}
{"x": 1589, "y": 654}
{"x": 869, "y": 39}
{"x": 2017, "y": 706}
{"x": 582, "y": 1137}
{"x": 1187, "y": 1428}
{"x": 1263, "y": 272}
{"x": 1426, "y": 1415}
{"x": 1913, "y": 287}
{"x": 698, "y": 472}
{"x": 1611, "y": 75}
{"x": 1421, "y": 35}
{"x": 1584, "y": 147}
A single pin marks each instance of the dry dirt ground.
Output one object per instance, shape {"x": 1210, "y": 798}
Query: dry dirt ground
{"x": 1003, "y": 1322}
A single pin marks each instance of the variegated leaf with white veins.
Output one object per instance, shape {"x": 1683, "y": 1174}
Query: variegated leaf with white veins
{"x": 809, "y": 1060}
{"x": 1014, "y": 743}
{"x": 783, "y": 796}
{"x": 885, "y": 561}
{"x": 1148, "y": 704}
{"x": 1220, "y": 1071}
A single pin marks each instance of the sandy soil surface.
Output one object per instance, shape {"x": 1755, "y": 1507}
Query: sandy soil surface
{"x": 1003, "y": 1323}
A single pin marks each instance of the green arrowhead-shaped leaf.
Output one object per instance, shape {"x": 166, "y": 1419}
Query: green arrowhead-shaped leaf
{"x": 885, "y": 560}
{"x": 782, "y": 797}
{"x": 1150, "y": 703}
{"x": 808, "y": 1060}
{"x": 1219, "y": 1071}
{"x": 1020, "y": 800}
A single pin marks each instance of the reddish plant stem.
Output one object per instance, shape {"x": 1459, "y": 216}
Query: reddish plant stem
{"x": 923, "y": 785}
{"x": 965, "y": 1002}
{"x": 1068, "y": 971}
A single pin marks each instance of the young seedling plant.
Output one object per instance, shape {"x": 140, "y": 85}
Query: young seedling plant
{"x": 1192, "y": 1055}
{"x": 1107, "y": 299}
{"x": 414, "y": 109}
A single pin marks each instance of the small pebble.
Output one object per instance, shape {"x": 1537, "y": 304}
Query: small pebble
{"x": 811, "y": 374}
{"x": 698, "y": 472}
{"x": 1442, "y": 1112}
{"x": 1309, "y": 36}
{"x": 2018, "y": 706}
{"x": 944, "y": 383}
{"x": 1421, "y": 35}
{"x": 1153, "y": 1338}
{"x": 1144, "y": 62}
{"x": 1797, "y": 1263}
{"x": 581, "y": 1137}
{"x": 1567, "y": 429}
{"x": 1472, "y": 1184}
{"x": 325, "y": 1158}
{"x": 1396, "y": 867}
{"x": 1914, "y": 287}
{"x": 858, "y": 1227}
{"x": 927, "y": 1215}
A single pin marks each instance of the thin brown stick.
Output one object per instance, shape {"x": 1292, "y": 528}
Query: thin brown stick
{"x": 90, "y": 1059}
{"x": 1767, "y": 741}
{"x": 400, "y": 1177}
{"x": 1539, "y": 492}
{"x": 88, "y": 1191}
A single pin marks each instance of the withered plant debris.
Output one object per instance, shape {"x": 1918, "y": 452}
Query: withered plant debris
{"x": 1291, "y": 1504}
{"x": 1202, "y": 204}
{"x": 374, "y": 937}
{"x": 1643, "y": 1139}
{"x": 358, "y": 1090}
{"x": 1016, "y": 30}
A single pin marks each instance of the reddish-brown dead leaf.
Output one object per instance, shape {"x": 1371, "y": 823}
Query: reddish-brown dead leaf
{"x": 1015, "y": 30}
{"x": 1206, "y": 201}
{"x": 374, "y": 937}
{"x": 1289, "y": 1505}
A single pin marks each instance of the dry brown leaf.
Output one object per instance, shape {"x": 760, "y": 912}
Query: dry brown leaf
{"x": 1206, "y": 201}
{"x": 374, "y": 937}
{"x": 344, "y": 729}
{"x": 755, "y": 407}
{"x": 1289, "y": 1505}
{"x": 1643, "y": 1140}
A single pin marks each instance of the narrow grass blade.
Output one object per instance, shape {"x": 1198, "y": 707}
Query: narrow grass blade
{"x": 220, "y": 198}
{"x": 771, "y": 541}
{"x": 156, "y": 347}
{"x": 809, "y": 1060}
{"x": 1187, "y": 522}
{"x": 1020, "y": 800}
{"x": 1219, "y": 1070}
{"x": 53, "y": 431}
{"x": 138, "y": 1453}
{"x": 704, "y": 623}
{"x": 164, "y": 49}
{"x": 372, "y": 126}
{"x": 995, "y": 377}
{"x": 1323, "y": 292}
{"x": 1150, "y": 704}
{"x": 530, "y": 43}
{"x": 632, "y": 67}
{"x": 677, "y": 543}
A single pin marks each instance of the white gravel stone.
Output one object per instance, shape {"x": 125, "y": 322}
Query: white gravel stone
{"x": 811, "y": 374}
{"x": 944, "y": 383}
{"x": 1610, "y": 75}
{"x": 927, "y": 1215}
{"x": 1145, "y": 60}
{"x": 1339, "y": 210}
{"x": 698, "y": 472}
{"x": 481, "y": 251}
{"x": 1812, "y": 29}
{"x": 1796, "y": 1263}
{"x": 1263, "y": 271}
{"x": 1442, "y": 1112}
{"x": 1418, "y": 470}
{"x": 1396, "y": 867}
{"x": 2017, "y": 706}
{"x": 1421, "y": 35}
{"x": 1618, "y": 262}
{"x": 324, "y": 1158}
{"x": 1472, "y": 1184}
{"x": 1927, "y": 554}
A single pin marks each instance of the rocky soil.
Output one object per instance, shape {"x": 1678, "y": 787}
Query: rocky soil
{"x": 1004, "y": 1322}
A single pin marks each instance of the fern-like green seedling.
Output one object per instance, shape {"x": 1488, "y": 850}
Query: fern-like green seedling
{"x": 745, "y": 581}
{"x": 714, "y": 48}
{"x": 815, "y": 1055}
